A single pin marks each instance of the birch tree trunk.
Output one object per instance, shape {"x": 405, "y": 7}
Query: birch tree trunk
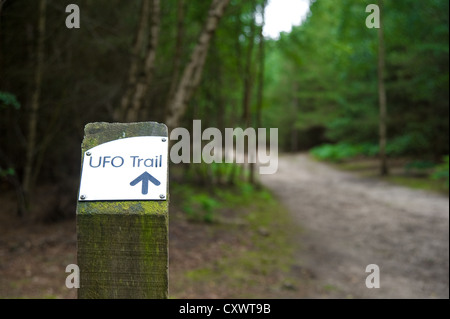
{"x": 135, "y": 61}
{"x": 177, "y": 59}
{"x": 34, "y": 110}
{"x": 192, "y": 73}
{"x": 145, "y": 78}
{"x": 382, "y": 95}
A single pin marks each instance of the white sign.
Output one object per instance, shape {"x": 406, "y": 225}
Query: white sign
{"x": 132, "y": 168}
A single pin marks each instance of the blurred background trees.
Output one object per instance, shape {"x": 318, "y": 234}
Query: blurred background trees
{"x": 177, "y": 60}
{"x": 325, "y": 72}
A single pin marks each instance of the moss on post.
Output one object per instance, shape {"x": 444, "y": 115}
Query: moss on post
{"x": 122, "y": 245}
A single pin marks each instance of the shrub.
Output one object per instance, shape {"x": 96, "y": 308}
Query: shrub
{"x": 201, "y": 207}
{"x": 342, "y": 151}
{"x": 8, "y": 100}
{"x": 441, "y": 172}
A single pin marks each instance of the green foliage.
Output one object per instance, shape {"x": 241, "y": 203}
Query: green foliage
{"x": 215, "y": 173}
{"x": 242, "y": 194}
{"x": 7, "y": 172}
{"x": 419, "y": 165}
{"x": 342, "y": 151}
{"x": 201, "y": 207}
{"x": 265, "y": 248}
{"x": 412, "y": 143}
{"x": 223, "y": 171}
{"x": 409, "y": 144}
{"x": 8, "y": 100}
{"x": 324, "y": 73}
{"x": 206, "y": 204}
{"x": 441, "y": 172}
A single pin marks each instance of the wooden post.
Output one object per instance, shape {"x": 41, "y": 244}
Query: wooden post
{"x": 122, "y": 244}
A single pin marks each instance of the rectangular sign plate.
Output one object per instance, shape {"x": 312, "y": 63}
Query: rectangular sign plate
{"x": 132, "y": 168}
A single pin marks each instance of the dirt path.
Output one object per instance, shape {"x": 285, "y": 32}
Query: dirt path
{"x": 350, "y": 222}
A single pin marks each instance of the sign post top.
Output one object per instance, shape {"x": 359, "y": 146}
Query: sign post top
{"x": 102, "y": 132}
{"x": 117, "y": 154}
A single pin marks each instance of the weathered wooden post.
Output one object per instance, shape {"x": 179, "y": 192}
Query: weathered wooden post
{"x": 122, "y": 211}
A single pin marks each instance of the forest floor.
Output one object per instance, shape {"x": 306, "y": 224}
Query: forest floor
{"x": 315, "y": 242}
{"x": 245, "y": 251}
{"x": 350, "y": 221}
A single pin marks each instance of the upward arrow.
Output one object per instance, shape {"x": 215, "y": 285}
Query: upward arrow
{"x": 145, "y": 178}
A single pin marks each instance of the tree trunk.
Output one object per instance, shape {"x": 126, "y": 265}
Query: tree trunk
{"x": 136, "y": 53}
{"x": 382, "y": 95}
{"x": 295, "y": 106}
{"x": 177, "y": 59}
{"x": 145, "y": 78}
{"x": 246, "y": 101}
{"x": 260, "y": 87}
{"x": 218, "y": 91}
{"x": 192, "y": 73}
{"x": 248, "y": 78}
{"x": 2, "y": 2}
{"x": 34, "y": 110}
{"x": 1, "y": 49}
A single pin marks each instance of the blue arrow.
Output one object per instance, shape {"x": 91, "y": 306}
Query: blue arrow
{"x": 145, "y": 178}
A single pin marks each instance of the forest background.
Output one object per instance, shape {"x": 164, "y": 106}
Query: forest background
{"x": 174, "y": 61}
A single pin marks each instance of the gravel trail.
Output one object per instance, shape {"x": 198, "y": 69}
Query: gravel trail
{"x": 349, "y": 222}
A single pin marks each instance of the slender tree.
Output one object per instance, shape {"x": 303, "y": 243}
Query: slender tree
{"x": 178, "y": 55}
{"x": 2, "y": 2}
{"x": 248, "y": 88}
{"x": 35, "y": 101}
{"x": 136, "y": 53}
{"x": 146, "y": 76}
{"x": 261, "y": 62}
{"x": 248, "y": 76}
{"x": 382, "y": 94}
{"x": 192, "y": 73}
{"x": 260, "y": 79}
